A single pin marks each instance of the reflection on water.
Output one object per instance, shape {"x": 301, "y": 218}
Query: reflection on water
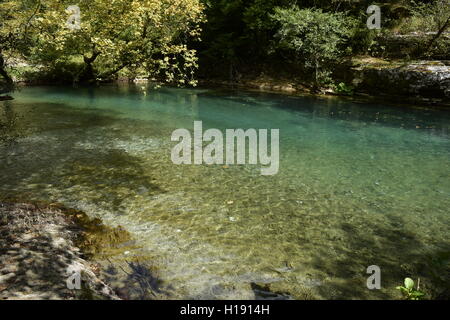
{"x": 358, "y": 185}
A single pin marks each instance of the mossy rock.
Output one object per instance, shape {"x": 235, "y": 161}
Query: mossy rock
{"x": 98, "y": 240}
{"x": 94, "y": 238}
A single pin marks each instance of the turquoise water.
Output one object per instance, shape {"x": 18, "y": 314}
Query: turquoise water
{"x": 359, "y": 184}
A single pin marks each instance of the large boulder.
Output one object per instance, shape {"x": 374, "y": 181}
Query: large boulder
{"x": 420, "y": 79}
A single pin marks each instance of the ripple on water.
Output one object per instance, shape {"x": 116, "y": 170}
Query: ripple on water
{"x": 350, "y": 193}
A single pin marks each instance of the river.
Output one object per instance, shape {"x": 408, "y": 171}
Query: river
{"x": 359, "y": 184}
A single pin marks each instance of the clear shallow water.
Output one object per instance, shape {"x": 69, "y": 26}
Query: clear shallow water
{"x": 358, "y": 185}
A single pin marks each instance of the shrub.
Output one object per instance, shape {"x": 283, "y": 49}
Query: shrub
{"x": 344, "y": 89}
{"x": 317, "y": 38}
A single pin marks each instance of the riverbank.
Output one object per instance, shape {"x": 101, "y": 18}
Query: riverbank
{"x": 392, "y": 80}
{"x": 40, "y": 248}
{"x": 418, "y": 82}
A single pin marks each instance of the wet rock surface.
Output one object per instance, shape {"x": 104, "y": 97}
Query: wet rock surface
{"x": 422, "y": 80}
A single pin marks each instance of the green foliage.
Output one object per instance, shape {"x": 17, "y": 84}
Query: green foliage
{"x": 14, "y": 36}
{"x": 408, "y": 291}
{"x": 425, "y": 16}
{"x": 159, "y": 38}
{"x": 344, "y": 89}
{"x": 114, "y": 35}
{"x": 14, "y": 21}
{"x": 318, "y": 38}
{"x": 241, "y": 34}
{"x": 364, "y": 40}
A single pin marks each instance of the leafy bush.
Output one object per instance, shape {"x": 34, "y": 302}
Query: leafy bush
{"x": 317, "y": 38}
{"x": 344, "y": 89}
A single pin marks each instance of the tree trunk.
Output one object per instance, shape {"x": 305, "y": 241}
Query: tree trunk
{"x": 87, "y": 74}
{"x": 6, "y": 76}
{"x": 316, "y": 73}
{"x": 3, "y": 72}
{"x": 9, "y": 82}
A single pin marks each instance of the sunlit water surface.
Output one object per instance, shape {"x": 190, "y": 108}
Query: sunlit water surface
{"x": 358, "y": 185}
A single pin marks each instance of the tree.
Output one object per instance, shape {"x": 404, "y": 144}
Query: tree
{"x": 15, "y": 17}
{"x": 114, "y": 35}
{"x": 433, "y": 15}
{"x": 317, "y": 37}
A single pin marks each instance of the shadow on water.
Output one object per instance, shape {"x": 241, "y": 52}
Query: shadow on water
{"x": 9, "y": 131}
{"x": 65, "y": 154}
{"x": 265, "y": 293}
{"x": 138, "y": 281}
{"x": 397, "y": 252}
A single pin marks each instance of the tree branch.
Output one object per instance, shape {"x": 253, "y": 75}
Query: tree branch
{"x": 438, "y": 34}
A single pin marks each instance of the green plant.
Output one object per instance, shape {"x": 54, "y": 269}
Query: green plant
{"x": 317, "y": 38}
{"x": 409, "y": 292}
{"x": 344, "y": 89}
